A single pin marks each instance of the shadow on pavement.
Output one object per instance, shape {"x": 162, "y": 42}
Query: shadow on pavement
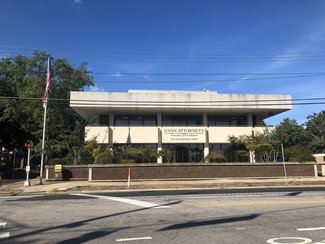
{"x": 87, "y": 236}
{"x": 192, "y": 224}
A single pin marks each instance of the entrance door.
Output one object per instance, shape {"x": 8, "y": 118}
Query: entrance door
{"x": 181, "y": 154}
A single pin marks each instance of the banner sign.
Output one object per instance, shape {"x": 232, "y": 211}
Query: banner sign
{"x": 183, "y": 135}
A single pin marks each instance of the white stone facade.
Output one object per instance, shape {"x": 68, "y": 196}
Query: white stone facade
{"x": 177, "y": 120}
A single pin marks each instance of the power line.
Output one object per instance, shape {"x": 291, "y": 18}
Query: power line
{"x": 174, "y": 57}
{"x": 199, "y": 80}
{"x": 163, "y": 54}
{"x": 208, "y": 74}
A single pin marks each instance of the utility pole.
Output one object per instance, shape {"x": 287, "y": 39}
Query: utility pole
{"x": 284, "y": 163}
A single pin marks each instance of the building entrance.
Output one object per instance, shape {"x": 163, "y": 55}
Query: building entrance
{"x": 185, "y": 153}
{"x": 181, "y": 154}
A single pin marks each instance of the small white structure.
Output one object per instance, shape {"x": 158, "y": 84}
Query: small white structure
{"x": 320, "y": 158}
{"x": 191, "y": 124}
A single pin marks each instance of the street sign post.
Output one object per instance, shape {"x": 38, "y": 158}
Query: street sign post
{"x": 29, "y": 144}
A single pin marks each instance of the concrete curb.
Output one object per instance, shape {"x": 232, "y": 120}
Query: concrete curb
{"x": 86, "y": 186}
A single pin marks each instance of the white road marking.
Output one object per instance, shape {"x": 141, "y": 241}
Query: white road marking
{"x": 2, "y": 225}
{"x": 311, "y": 229}
{"x": 4, "y": 235}
{"x": 135, "y": 239}
{"x": 300, "y": 240}
{"x": 125, "y": 200}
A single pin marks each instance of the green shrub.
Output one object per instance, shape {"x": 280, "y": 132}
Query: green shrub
{"x": 298, "y": 153}
{"x": 55, "y": 161}
{"x": 166, "y": 155}
{"x": 214, "y": 158}
{"x": 127, "y": 161}
{"x": 104, "y": 156}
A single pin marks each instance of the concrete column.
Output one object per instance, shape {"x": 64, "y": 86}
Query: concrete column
{"x": 47, "y": 174}
{"x": 110, "y": 137}
{"x": 159, "y": 119}
{"x": 205, "y": 124}
{"x": 90, "y": 174}
{"x": 159, "y": 148}
{"x": 110, "y": 131}
{"x": 252, "y": 158}
{"x": 111, "y": 119}
{"x": 159, "y": 124}
{"x": 205, "y": 119}
{"x": 323, "y": 170}
{"x": 206, "y": 144}
{"x": 250, "y": 119}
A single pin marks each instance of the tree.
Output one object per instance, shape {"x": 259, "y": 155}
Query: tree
{"x": 315, "y": 131}
{"x": 238, "y": 145}
{"x": 298, "y": 153}
{"x": 290, "y": 133}
{"x": 23, "y": 79}
{"x": 262, "y": 143}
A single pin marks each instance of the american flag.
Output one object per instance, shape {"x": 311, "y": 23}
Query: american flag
{"x": 48, "y": 84}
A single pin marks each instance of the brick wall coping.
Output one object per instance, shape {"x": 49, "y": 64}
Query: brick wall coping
{"x": 178, "y": 164}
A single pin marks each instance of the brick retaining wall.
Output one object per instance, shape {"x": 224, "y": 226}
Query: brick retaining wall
{"x": 182, "y": 171}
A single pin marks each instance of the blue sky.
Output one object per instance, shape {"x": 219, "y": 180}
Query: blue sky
{"x": 229, "y": 46}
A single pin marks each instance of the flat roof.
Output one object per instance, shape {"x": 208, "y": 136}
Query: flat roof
{"x": 90, "y": 104}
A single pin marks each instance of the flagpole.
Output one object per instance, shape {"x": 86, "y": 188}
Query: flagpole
{"x": 43, "y": 144}
{"x": 45, "y": 98}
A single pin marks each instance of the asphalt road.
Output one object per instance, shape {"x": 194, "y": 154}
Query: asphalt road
{"x": 293, "y": 215}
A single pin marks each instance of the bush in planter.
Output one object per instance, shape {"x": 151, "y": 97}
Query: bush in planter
{"x": 107, "y": 157}
{"x": 214, "y": 158}
{"x": 166, "y": 155}
{"x": 55, "y": 161}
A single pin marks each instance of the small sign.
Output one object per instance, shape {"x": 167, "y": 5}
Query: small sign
{"x": 58, "y": 168}
{"x": 30, "y": 144}
{"x": 27, "y": 168}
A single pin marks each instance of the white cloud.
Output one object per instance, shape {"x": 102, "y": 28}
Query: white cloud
{"x": 96, "y": 89}
{"x": 306, "y": 43}
{"x": 78, "y": 1}
{"x": 116, "y": 74}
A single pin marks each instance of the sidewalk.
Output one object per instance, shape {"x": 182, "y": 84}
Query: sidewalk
{"x": 52, "y": 187}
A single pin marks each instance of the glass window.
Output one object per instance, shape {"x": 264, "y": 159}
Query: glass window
{"x": 185, "y": 152}
{"x": 222, "y": 120}
{"x": 254, "y": 120}
{"x": 121, "y": 120}
{"x": 179, "y": 121}
{"x": 103, "y": 119}
{"x": 238, "y": 120}
{"x": 227, "y": 120}
{"x": 150, "y": 120}
{"x": 167, "y": 120}
{"x": 182, "y": 120}
{"x": 135, "y": 120}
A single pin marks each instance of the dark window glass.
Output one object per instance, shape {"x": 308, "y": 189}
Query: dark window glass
{"x": 150, "y": 120}
{"x": 227, "y": 120}
{"x": 167, "y": 120}
{"x": 254, "y": 120}
{"x": 121, "y": 120}
{"x": 103, "y": 119}
{"x": 183, "y": 153}
{"x": 135, "y": 120}
{"x": 182, "y": 120}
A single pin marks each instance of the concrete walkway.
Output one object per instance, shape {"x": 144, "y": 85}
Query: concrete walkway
{"x": 52, "y": 187}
